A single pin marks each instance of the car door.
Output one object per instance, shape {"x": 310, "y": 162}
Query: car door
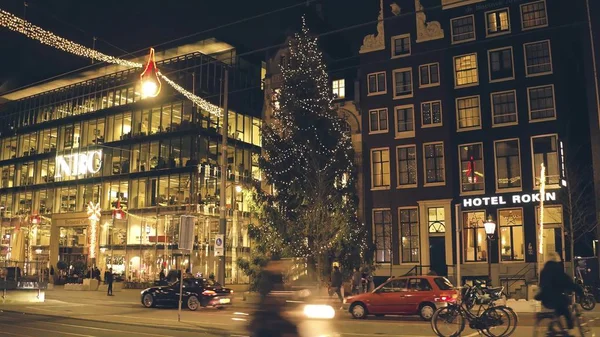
{"x": 388, "y": 298}
{"x": 419, "y": 291}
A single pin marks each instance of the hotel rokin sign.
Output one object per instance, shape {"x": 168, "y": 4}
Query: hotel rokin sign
{"x": 78, "y": 164}
{"x": 513, "y": 199}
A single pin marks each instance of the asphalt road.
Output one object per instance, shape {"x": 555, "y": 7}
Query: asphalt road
{"x": 94, "y": 314}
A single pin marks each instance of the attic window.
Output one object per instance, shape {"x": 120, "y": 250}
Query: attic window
{"x": 339, "y": 89}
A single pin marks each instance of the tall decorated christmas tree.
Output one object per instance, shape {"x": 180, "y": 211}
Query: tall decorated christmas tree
{"x": 311, "y": 211}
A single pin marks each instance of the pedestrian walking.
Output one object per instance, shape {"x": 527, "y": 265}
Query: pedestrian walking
{"x": 356, "y": 282}
{"x": 336, "y": 282}
{"x": 108, "y": 279}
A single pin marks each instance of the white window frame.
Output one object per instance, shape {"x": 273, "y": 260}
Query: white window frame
{"x": 513, "y": 189}
{"x": 429, "y": 65}
{"x": 493, "y": 34}
{"x": 382, "y": 92}
{"x": 425, "y": 183}
{"x": 512, "y": 60}
{"x": 527, "y": 74}
{"x": 412, "y": 83}
{"x": 456, "y": 85}
{"x": 461, "y": 169}
{"x": 458, "y": 128}
{"x": 529, "y": 103}
{"x": 398, "y": 186}
{"x": 545, "y": 12}
{"x": 516, "y": 122}
{"x": 401, "y": 246}
{"x": 464, "y": 232}
{"x": 452, "y": 30}
{"x": 379, "y": 188}
{"x": 433, "y": 124}
{"x": 393, "y": 45}
{"x": 374, "y": 238}
{"x": 387, "y": 117}
{"x": 339, "y": 81}
{"x": 533, "y": 168}
{"x": 404, "y": 134}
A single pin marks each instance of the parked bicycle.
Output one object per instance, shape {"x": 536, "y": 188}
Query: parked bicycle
{"x": 548, "y": 324}
{"x": 493, "y": 321}
{"x": 489, "y": 297}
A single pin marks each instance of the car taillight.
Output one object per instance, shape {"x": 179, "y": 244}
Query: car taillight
{"x": 444, "y": 298}
{"x": 231, "y": 291}
{"x": 208, "y": 293}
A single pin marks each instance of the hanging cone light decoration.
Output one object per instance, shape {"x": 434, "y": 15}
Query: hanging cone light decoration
{"x": 149, "y": 77}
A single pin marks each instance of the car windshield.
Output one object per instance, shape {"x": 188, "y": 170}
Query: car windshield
{"x": 443, "y": 283}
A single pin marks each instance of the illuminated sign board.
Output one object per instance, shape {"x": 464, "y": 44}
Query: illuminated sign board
{"x": 78, "y": 164}
{"x": 513, "y": 199}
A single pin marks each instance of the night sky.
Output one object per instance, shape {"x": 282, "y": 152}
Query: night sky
{"x": 132, "y": 25}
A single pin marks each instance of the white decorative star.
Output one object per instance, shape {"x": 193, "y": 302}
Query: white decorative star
{"x": 93, "y": 211}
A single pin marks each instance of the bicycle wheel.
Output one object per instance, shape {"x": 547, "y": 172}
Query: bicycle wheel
{"x": 514, "y": 320}
{"x": 448, "y": 321}
{"x": 588, "y": 302}
{"x": 582, "y": 324}
{"x": 497, "y": 322}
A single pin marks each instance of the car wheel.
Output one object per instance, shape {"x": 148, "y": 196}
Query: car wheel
{"x": 358, "y": 311}
{"x": 193, "y": 303}
{"x": 148, "y": 301}
{"x": 426, "y": 311}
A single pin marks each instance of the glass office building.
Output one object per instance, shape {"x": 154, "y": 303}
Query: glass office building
{"x": 100, "y": 141}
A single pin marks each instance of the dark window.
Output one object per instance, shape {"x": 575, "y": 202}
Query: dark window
{"x": 443, "y": 283}
{"x": 402, "y": 45}
{"x": 419, "y": 284}
{"x": 463, "y": 29}
{"x": 501, "y": 64}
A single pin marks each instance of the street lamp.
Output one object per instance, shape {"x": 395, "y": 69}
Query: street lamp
{"x": 490, "y": 229}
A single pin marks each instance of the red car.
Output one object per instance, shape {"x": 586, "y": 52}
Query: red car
{"x": 406, "y": 295}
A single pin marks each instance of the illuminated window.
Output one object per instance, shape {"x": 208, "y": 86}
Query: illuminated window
{"x": 339, "y": 89}
{"x": 508, "y": 164}
{"x": 403, "y": 86}
{"x": 545, "y": 151}
{"x": 553, "y": 225}
{"x": 429, "y": 75}
{"x": 382, "y": 221}
{"x": 538, "y": 58}
{"x": 431, "y": 113}
{"x": 380, "y": 168}
{"x": 465, "y": 70}
{"x": 468, "y": 112}
{"x": 533, "y": 15}
{"x": 471, "y": 168}
{"x": 407, "y": 165}
{"x": 401, "y": 45}
{"x": 378, "y": 121}
{"x": 475, "y": 239}
{"x": 463, "y": 29}
{"x": 376, "y": 83}
{"x": 541, "y": 103}
{"x": 435, "y": 172}
{"x": 409, "y": 234}
{"x": 504, "y": 108}
{"x": 263, "y": 74}
{"x": 512, "y": 243}
{"x": 498, "y": 22}
{"x": 501, "y": 64}
{"x": 405, "y": 121}
{"x": 436, "y": 220}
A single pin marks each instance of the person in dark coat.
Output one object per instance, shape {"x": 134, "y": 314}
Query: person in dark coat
{"x": 356, "y": 282}
{"x": 162, "y": 275}
{"x": 555, "y": 285}
{"x": 336, "y": 282}
{"x": 108, "y": 279}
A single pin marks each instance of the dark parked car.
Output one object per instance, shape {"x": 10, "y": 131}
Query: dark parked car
{"x": 197, "y": 292}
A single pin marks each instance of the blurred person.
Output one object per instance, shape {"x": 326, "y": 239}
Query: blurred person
{"x": 267, "y": 320}
{"x": 555, "y": 286}
{"x": 356, "y": 282}
{"x": 336, "y": 282}
{"x": 108, "y": 279}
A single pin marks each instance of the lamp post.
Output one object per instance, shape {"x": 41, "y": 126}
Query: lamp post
{"x": 38, "y": 252}
{"x": 490, "y": 230}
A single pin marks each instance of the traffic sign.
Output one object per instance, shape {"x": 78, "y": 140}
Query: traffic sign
{"x": 219, "y": 245}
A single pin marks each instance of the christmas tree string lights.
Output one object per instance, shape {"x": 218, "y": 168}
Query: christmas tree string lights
{"x": 34, "y": 32}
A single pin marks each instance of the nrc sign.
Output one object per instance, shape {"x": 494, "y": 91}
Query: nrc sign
{"x": 78, "y": 164}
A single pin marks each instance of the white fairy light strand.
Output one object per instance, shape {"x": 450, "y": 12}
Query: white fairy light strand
{"x": 34, "y": 32}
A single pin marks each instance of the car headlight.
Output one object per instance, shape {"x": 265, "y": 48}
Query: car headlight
{"x": 319, "y": 311}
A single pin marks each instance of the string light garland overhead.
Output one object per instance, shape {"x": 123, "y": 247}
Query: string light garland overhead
{"x": 34, "y": 32}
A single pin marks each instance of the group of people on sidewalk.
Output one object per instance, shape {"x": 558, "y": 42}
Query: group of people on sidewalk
{"x": 361, "y": 282}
